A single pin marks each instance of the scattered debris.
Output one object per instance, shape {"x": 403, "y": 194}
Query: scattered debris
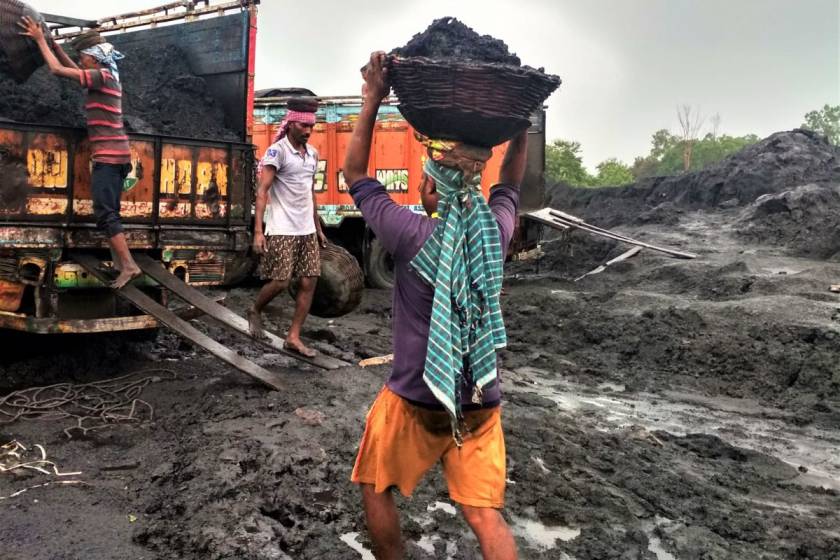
{"x": 377, "y": 361}
{"x": 310, "y": 417}
{"x": 641, "y": 433}
{"x": 14, "y": 456}
{"x": 93, "y": 405}
{"x": 622, "y": 257}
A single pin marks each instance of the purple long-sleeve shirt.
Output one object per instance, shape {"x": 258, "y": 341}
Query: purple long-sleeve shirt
{"x": 403, "y": 233}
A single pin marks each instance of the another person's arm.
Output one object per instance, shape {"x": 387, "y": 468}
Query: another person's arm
{"x": 266, "y": 179}
{"x": 397, "y": 228}
{"x": 32, "y": 29}
{"x": 513, "y": 166}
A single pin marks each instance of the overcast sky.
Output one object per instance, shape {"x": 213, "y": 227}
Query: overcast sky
{"x": 625, "y": 64}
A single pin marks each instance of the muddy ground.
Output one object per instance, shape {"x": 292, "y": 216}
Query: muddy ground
{"x": 662, "y": 409}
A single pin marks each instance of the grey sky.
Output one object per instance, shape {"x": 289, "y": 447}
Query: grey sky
{"x": 625, "y": 64}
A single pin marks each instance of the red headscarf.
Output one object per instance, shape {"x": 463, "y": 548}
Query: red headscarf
{"x": 294, "y": 116}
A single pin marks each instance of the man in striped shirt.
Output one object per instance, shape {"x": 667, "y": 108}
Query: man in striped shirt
{"x": 110, "y": 152}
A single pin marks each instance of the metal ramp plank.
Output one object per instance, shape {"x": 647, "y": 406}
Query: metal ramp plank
{"x": 222, "y": 314}
{"x": 562, "y": 221}
{"x": 182, "y": 327}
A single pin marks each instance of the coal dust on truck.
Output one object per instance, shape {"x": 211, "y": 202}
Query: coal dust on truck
{"x": 396, "y": 161}
{"x": 188, "y": 101}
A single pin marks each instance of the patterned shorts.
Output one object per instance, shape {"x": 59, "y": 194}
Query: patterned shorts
{"x": 288, "y": 256}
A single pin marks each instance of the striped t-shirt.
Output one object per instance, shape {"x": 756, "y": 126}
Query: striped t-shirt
{"x": 103, "y": 106}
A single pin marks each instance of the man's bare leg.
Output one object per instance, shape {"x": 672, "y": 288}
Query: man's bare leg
{"x": 302, "y": 304}
{"x": 492, "y": 531}
{"x": 115, "y": 258}
{"x": 268, "y": 292}
{"x": 127, "y": 267}
{"x": 383, "y": 523}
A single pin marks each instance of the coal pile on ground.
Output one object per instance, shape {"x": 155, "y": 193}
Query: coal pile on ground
{"x": 780, "y": 162}
{"x": 161, "y": 96}
{"x": 449, "y": 39}
{"x": 806, "y": 220}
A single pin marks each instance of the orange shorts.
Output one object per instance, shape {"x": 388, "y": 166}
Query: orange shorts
{"x": 402, "y": 441}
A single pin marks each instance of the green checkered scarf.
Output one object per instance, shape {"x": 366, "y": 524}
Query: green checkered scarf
{"x": 463, "y": 261}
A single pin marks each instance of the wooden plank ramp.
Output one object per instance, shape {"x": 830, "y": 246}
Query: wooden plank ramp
{"x": 180, "y": 326}
{"x": 225, "y": 316}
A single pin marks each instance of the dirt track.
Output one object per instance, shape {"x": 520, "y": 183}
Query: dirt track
{"x": 661, "y": 409}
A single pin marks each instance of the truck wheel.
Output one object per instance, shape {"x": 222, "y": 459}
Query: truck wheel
{"x": 340, "y": 287}
{"x": 379, "y": 266}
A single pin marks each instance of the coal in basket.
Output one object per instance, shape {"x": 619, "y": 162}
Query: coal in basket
{"x": 470, "y": 89}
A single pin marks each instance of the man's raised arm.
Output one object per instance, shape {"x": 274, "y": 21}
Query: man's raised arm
{"x": 375, "y": 90}
{"x": 32, "y": 29}
{"x": 513, "y": 166}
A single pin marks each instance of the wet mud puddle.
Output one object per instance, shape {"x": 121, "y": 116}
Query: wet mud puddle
{"x": 743, "y": 423}
{"x": 813, "y": 452}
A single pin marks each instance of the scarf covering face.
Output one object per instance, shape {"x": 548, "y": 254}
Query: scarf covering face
{"x": 293, "y": 116}
{"x": 462, "y": 260}
{"x": 106, "y": 54}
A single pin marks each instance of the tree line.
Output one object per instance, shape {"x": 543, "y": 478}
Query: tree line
{"x": 670, "y": 153}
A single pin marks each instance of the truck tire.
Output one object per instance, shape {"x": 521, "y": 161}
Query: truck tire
{"x": 379, "y": 266}
{"x": 340, "y": 287}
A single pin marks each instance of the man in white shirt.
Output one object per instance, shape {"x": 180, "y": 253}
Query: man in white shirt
{"x": 289, "y": 240}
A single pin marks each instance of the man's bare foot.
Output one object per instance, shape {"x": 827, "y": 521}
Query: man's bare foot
{"x": 300, "y": 348}
{"x": 255, "y": 326}
{"x": 126, "y": 276}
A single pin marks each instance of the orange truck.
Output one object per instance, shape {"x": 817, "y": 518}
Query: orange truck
{"x": 186, "y": 204}
{"x": 396, "y": 160}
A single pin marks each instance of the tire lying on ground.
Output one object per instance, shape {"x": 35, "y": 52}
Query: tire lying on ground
{"x": 340, "y": 287}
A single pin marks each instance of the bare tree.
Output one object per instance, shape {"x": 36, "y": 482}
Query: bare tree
{"x": 715, "y": 119}
{"x": 691, "y": 121}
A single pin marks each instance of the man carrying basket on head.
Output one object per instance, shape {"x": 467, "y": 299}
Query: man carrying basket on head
{"x": 441, "y": 402}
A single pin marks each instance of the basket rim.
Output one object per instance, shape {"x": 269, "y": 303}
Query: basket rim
{"x": 461, "y": 110}
{"x": 399, "y": 62}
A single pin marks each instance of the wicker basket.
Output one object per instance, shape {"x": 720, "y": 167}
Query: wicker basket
{"x": 22, "y": 53}
{"x": 340, "y": 287}
{"x": 477, "y": 103}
